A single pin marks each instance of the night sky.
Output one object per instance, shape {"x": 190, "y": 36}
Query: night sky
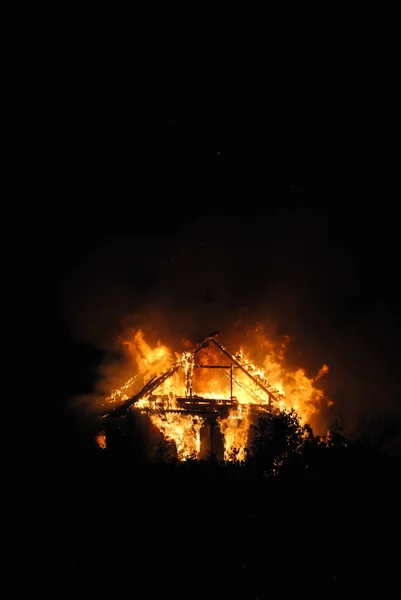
{"x": 191, "y": 171}
{"x": 125, "y": 159}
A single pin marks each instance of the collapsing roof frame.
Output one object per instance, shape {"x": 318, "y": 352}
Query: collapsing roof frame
{"x": 156, "y": 381}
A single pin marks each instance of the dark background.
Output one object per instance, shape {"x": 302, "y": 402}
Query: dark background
{"x": 140, "y": 128}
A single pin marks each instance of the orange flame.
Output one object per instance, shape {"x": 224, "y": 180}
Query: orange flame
{"x": 211, "y": 378}
{"x": 101, "y": 439}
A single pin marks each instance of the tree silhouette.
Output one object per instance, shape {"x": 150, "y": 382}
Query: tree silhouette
{"x": 275, "y": 440}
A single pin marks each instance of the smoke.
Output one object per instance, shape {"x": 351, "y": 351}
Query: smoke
{"x": 202, "y": 278}
{"x": 229, "y": 274}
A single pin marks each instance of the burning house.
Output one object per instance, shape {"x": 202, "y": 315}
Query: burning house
{"x": 205, "y": 400}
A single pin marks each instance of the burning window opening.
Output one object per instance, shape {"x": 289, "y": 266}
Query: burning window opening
{"x": 216, "y": 420}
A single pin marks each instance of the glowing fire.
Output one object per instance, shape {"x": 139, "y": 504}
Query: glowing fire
{"x": 212, "y": 382}
{"x": 101, "y": 439}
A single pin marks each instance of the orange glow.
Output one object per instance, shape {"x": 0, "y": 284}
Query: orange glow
{"x": 212, "y": 377}
{"x": 101, "y": 439}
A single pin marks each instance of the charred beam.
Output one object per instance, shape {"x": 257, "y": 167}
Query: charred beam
{"x": 147, "y": 389}
{"x": 212, "y": 366}
{"x": 193, "y": 411}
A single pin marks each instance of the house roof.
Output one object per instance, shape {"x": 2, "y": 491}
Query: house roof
{"x": 157, "y": 381}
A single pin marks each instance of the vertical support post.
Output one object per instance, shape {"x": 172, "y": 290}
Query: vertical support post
{"x": 231, "y": 381}
{"x": 189, "y": 376}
